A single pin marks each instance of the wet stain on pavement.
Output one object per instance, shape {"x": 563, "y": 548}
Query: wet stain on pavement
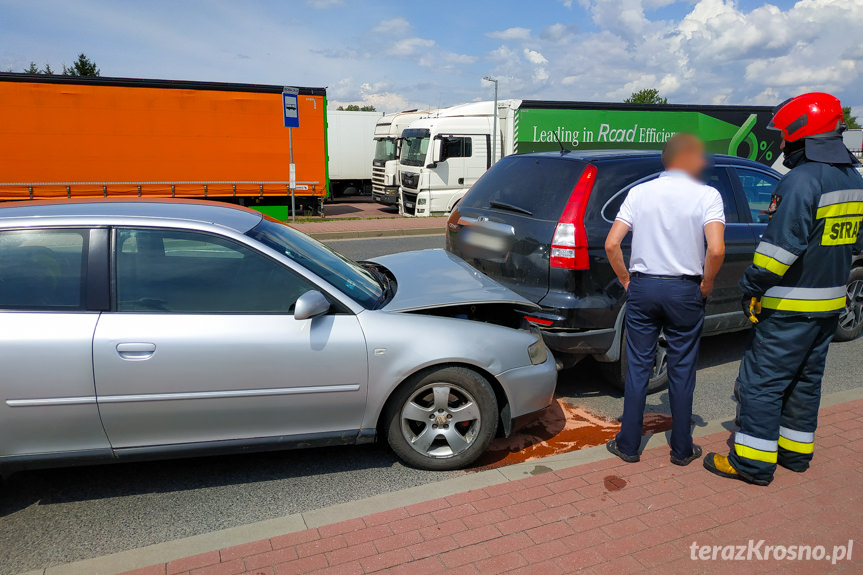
{"x": 614, "y": 483}
{"x": 539, "y": 470}
{"x": 562, "y": 428}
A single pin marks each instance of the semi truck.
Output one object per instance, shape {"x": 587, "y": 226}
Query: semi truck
{"x": 351, "y": 150}
{"x": 443, "y": 155}
{"x": 387, "y": 140}
{"x": 72, "y": 137}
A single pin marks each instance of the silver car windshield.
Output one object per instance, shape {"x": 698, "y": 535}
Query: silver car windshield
{"x": 347, "y": 276}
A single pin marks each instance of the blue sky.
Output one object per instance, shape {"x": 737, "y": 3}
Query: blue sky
{"x": 403, "y": 54}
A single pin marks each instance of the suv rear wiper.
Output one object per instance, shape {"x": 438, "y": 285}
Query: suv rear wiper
{"x": 509, "y": 207}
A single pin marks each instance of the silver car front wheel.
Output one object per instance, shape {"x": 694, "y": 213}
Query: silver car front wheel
{"x": 442, "y": 420}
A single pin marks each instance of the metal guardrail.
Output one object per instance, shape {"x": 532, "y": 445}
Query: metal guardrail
{"x": 173, "y": 184}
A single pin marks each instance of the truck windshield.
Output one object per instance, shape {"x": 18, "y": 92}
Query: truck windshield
{"x": 415, "y": 144}
{"x": 385, "y": 149}
{"x": 347, "y": 276}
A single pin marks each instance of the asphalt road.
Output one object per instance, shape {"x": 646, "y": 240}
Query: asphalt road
{"x": 374, "y": 247}
{"x": 57, "y": 516}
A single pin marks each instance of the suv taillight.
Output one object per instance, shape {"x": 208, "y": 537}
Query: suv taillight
{"x": 569, "y": 244}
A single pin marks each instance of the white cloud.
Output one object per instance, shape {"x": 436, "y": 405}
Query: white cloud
{"x": 321, "y": 4}
{"x": 410, "y": 46}
{"x": 558, "y": 33}
{"x": 534, "y": 57}
{"x": 503, "y": 54}
{"x": 515, "y": 33}
{"x": 398, "y": 26}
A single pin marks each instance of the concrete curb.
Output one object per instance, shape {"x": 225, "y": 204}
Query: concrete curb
{"x": 180, "y": 548}
{"x": 361, "y": 234}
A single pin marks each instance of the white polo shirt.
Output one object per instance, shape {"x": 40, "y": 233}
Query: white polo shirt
{"x": 667, "y": 218}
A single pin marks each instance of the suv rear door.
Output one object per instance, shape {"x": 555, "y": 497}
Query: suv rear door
{"x": 505, "y": 224}
{"x": 723, "y": 305}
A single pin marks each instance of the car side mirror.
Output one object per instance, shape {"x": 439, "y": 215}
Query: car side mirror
{"x": 311, "y": 305}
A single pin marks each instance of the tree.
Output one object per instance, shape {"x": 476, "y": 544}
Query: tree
{"x": 850, "y": 120}
{"x": 83, "y": 66}
{"x": 356, "y": 108}
{"x": 47, "y": 70}
{"x": 32, "y": 69}
{"x": 646, "y": 96}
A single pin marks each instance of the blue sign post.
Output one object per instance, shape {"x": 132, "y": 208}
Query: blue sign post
{"x": 290, "y": 106}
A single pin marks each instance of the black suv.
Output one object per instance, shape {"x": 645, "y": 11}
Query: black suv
{"x": 537, "y": 224}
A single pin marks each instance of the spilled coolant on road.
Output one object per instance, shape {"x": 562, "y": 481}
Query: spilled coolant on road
{"x": 562, "y": 428}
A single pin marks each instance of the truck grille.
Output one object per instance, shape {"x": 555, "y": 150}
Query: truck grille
{"x": 378, "y": 179}
{"x": 410, "y": 202}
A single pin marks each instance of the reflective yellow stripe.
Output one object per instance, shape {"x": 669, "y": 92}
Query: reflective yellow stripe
{"x": 844, "y": 209}
{"x": 803, "y": 305}
{"x": 796, "y": 446}
{"x": 770, "y": 264}
{"x": 755, "y": 454}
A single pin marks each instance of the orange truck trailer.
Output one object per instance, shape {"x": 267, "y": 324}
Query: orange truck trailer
{"x": 68, "y": 137}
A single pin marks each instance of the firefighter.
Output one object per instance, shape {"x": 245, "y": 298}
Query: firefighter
{"x": 794, "y": 292}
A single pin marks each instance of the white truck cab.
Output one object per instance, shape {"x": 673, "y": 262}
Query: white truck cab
{"x": 443, "y": 155}
{"x": 387, "y": 140}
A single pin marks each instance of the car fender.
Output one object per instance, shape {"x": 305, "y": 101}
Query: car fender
{"x": 403, "y": 344}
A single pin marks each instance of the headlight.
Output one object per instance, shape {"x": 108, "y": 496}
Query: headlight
{"x": 421, "y": 202}
{"x": 538, "y": 352}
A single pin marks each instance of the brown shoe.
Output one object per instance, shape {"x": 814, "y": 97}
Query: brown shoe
{"x": 611, "y": 446}
{"x": 696, "y": 453}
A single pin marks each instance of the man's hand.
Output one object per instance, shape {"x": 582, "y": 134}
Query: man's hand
{"x": 706, "y": 288}
{"x": 625, "y": 283}
{"x": 615, "y": 253}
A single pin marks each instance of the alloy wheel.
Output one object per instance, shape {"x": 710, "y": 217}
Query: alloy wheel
{"x": 440, "y": 420}
{"x": 851, "y": 318}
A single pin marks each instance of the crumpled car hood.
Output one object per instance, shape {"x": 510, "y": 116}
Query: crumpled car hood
{"x": 435, "y": 278}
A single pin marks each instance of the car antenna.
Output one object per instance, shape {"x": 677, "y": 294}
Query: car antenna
{"x": 563, "y": 150}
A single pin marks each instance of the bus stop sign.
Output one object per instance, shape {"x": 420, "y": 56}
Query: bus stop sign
{"x": 291, "y": 109}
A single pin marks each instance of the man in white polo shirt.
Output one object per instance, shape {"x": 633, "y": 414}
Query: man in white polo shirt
{"x": 667, "y": 284}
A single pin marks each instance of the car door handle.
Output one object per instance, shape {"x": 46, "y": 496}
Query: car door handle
{"x": 136, "y": 350}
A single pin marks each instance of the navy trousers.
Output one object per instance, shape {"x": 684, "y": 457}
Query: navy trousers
{"x": 778, "y": 393}
{"x": 676, "y": 308}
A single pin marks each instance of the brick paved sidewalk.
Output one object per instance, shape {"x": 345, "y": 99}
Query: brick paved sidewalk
{"x": 598, "y": 518}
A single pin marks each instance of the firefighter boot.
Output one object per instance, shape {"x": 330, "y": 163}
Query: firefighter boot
{"x": 719, "y": 465}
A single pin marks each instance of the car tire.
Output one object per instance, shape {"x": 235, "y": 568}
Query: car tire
{"x": 421, "y": 424}
{"x": 851, "y": 320}
{"x": 615, "y": 372}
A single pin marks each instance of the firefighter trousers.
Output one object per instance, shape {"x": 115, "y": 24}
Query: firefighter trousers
{"x": 778, "y": 393}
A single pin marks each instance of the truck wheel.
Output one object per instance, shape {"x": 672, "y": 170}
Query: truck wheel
{"x": 442, "y": 420}
{"x": 851, "y": 320}
{"x": 615, "y": 372}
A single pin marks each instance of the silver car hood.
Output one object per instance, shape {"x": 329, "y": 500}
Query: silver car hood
{"x": 430, "y": 279}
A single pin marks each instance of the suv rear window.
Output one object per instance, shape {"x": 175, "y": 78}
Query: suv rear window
{"x": 540, "y": 186}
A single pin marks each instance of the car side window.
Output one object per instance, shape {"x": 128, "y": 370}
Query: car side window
{"x": 43, "y": 270}
{"x": 718, "y": 178}
{"x": 715, "y": 177}
{"x": 191, "y": 272}
{"x": 758, "y": 188}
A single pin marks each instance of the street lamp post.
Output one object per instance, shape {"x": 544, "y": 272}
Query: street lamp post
{"x": 494, "y": 123}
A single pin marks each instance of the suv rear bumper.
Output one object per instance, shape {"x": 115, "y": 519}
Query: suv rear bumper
{"x": 590, "y": 342}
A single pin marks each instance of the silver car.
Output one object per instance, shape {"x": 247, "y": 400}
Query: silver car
{"x": 148, "y": 329}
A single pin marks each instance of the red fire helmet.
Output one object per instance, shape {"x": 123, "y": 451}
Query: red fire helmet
{"x": 807, "y": 115}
